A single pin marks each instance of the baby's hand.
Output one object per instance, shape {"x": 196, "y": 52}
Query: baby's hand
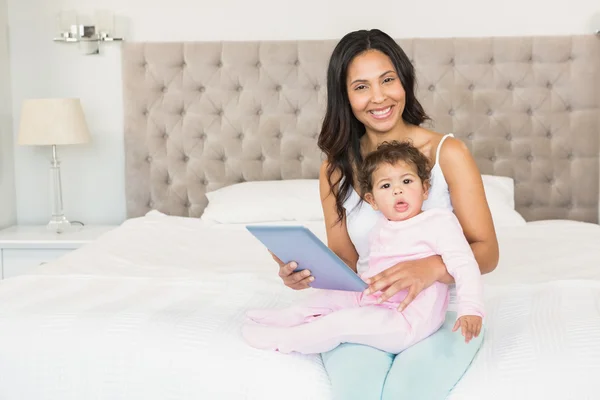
{"x": 470, "y": 326}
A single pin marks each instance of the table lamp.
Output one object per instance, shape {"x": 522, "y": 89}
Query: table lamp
{"x": 53, "y": 122}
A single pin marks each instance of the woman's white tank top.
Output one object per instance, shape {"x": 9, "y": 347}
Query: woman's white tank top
{"x": 360, "y": 216}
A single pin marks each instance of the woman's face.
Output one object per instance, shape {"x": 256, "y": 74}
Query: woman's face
{"x": 376, "y": 95}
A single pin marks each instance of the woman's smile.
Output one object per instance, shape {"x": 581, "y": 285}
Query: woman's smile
{"x": 381, "y": 113}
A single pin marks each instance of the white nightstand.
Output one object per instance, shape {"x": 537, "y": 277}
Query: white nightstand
{"x": 25, "y": 247}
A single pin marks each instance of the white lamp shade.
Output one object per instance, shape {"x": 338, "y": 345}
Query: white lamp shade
{"x": 53, "y": 122}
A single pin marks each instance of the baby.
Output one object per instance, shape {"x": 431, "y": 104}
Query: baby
{"x": 395, "y": 181}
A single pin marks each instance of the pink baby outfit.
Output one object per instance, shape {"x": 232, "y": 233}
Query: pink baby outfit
{"x": 329, "y": 317}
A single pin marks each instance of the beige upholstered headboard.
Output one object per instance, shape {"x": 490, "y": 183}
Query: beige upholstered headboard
{"x": 199, "y": 116}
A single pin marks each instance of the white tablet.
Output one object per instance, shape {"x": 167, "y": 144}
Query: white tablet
{"x": 299, "y": 244}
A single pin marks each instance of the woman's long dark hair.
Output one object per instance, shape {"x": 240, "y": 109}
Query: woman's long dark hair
{"x": 341, "y": 131}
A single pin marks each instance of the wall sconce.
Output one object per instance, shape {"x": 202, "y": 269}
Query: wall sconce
{"x": 88, "y": 35}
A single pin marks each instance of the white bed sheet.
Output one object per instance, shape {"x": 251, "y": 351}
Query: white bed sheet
{"x": 152, "y": 310}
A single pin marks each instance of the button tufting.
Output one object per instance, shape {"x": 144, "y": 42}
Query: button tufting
{"x": 549, "y": 85}
{"x": 530, "y": 158}
{"x": 258, "y": 64}
{"x": 451, "y": 61}
{"x": 510, "y": 86}
{"x": 300, "y": 157}
{"x": 168, "y": 181}
{"x": 279, "y": 135}
{"x": 297, "y": 111}
{"x": 241, "y": 136}
{"x": 144, "y": 64}
{"x": 165, "y": 135}
{"x": 150, "y": 204}
{"x": 258, "y": 112}
{"x": 493, "y": 158}
{"x": 568, "y": 108}
{"x": 529, "y": 111}
{"x": 239, "y": 88}
{"x": 508, "y": 137}
{"x": 490, "y": 112}
{"x": 202, "y": 136}
{"x": 220, "y": 113}
{"x": 431, "y": 88}
{"x": 492, "y": 60}
{"x": 201, "y": 89}
{"x": 549, "y": 134}
{"x": 570, "y": 206}
{"x": 145, "y": 112}
{"x": 471, "y": 87}
{"x": 451, "y": 112}
{"x": 530, "y": 59}
{"x": 186, "y": 159}
{"x": 149, "y": 159}
{"x": 219, "y": 64}
{"x": 164, "y": 89}
{"x": 241, "y": 179}
{"x": 551, "y": 181}
{"x": 182, "y": 113}
{"x": 278, "y": 88}
{"x": 223, "y": 158}
{"x": 187, "y": 204}
{"x": 317, "y": 88}
{"x": 297, "y": 62}
{"x": 204, "y": 182}
{"x": 470, "y": 136}
{"x": 261, "y": 158}
{"x": 183, "y": 64}
{"x": 570, "y": 156}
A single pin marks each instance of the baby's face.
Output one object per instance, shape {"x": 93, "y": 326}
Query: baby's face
{"x": 397, "y": 191}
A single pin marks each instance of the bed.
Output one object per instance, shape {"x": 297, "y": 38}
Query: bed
{"x": 218, "y": 135}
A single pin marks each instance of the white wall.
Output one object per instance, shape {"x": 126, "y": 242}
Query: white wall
{"x": 93, "y": 183}
{"x": 8, "y": 211}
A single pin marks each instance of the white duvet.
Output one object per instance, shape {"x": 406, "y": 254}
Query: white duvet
{"x": 152, "y": 310}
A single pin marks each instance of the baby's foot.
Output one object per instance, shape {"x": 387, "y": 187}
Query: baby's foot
{"x": 260, "y": 336}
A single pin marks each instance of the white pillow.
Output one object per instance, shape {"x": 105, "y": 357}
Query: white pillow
{"x": 265, "y": 201}
{"x": 500, "y": 189}
{"x": 299, "y": 200}
{"x": 500, "y": 194}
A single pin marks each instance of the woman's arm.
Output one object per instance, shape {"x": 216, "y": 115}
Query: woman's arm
{"x": 338, "y": 239}
{"x": 469, "y": 203}
{"x": 470, "y": 207}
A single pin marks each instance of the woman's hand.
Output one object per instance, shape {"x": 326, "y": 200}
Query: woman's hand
{"x": 415, "y": 276}
{"x": 291, "y": 279}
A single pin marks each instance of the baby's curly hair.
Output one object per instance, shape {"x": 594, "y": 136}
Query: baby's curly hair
{"x": 391, "y": 153}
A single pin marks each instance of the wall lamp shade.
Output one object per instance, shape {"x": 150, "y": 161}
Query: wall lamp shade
{"x": 53, "y": 122}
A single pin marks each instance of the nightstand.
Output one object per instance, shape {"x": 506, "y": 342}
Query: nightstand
{"x": 24, "y": 247}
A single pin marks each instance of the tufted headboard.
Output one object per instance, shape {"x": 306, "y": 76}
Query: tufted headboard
{"x": 200, "y": 116}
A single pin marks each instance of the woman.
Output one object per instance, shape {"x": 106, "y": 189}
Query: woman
{"x": 371, "y": 99}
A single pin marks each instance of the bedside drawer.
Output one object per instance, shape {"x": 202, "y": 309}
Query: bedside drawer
{"x": 17, "y": 261}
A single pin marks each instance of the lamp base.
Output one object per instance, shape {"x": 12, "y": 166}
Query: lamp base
{"x": 58, "y": 224}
